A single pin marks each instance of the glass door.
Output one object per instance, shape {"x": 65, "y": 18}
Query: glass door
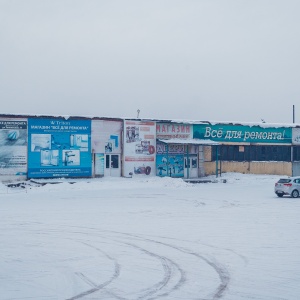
{"x": 112, "y": 165}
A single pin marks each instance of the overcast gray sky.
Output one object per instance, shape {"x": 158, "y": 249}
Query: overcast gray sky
{"x": 226, "y": 60}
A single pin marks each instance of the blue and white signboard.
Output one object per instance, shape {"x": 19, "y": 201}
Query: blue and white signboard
{"x": 59, "y": 148}
{"x": 13, "y": 149}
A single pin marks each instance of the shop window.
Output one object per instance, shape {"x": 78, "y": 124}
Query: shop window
{"x": 187, "y": 163}
{"x": 107, "y": 161}
{"x": 296, "y": 153}
{"x": 194, "y": 162}
{"x": 255, "y": 153}
{"x": 115, "y": 161}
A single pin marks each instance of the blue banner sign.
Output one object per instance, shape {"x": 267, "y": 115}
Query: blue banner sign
{"x": 243, "y": 134}
{"x": 59, "y": 148}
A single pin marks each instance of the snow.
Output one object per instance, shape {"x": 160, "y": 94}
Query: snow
{"x": 149, "y": 238}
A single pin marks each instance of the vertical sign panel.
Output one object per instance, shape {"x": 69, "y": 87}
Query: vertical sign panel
{"x": 59, "y": 148}
{"x": 139, "y": 147}
{"x": 106, "y": 136}
{"x": 170, "y": 160}
{"x": 13, "y": 148}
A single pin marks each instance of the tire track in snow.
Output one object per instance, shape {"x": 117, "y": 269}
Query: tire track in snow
{"x": 157, "y": 290}
{"x": 221, "y": 270}
{"x": 98, "y": 287}
{"x": 168, "y": 266}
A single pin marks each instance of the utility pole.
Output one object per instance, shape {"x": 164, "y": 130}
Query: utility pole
{"x": 293, "y": 113}
{"x": 292, "y": 148}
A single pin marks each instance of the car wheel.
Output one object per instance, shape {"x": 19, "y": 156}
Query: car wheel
{"x": 279, "y": 195}
{"x": 295, "y": 194}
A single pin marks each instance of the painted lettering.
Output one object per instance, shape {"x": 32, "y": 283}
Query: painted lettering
{"x": 228, "y": 134}
{"x": 207, "y": 132}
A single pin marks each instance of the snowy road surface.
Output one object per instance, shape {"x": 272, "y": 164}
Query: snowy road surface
{"x": 150, "y": 238}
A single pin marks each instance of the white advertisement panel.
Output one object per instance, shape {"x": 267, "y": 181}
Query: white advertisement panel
{"x": 139, "y": 147}
{"x": 174, "y": 131}
{"x": 106, "y": 136}
{"x": 296, "y": 136}
{"x": 13, "y": 149}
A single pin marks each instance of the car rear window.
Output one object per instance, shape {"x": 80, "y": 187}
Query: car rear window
{"x": 284, "y": 180}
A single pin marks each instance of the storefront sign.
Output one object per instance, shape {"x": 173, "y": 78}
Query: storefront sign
{"x": 173, "y": 130}
{"x": 59, "y": 148}
{"x": 170, "y": 148}
{"x": 240, "y": 133}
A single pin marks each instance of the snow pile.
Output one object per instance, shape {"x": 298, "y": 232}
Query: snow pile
{"x": 3, "y": 188}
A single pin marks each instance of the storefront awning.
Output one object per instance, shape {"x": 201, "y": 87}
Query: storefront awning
{"x": 189, "y": 142}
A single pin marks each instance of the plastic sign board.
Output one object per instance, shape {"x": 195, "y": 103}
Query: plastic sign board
{"x": 139, "y": 148}
{"x": 173, "y": 131}
{"x": 59, "y": 148}
{"x": 13, "y": 148}
{"x": 243, "y": 134}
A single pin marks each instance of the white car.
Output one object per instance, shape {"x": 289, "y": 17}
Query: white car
{"x": 288, "y": 186}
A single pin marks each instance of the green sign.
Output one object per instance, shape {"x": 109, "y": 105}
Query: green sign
{"x": 242, "y": 134}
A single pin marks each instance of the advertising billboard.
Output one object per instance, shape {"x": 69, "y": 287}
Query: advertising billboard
{"x": 106, "y": 136}
{"x": 13, "y": 148}
{"x": 170, "y": 160}
{"x": 59, "y": 148}
{"x": 139, "y": 147}
{"x": 243, "y": 133}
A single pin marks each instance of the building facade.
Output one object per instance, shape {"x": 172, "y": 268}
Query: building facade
{"x": 82, "y": 147}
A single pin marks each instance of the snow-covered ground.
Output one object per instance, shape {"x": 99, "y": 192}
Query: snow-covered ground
{"x": 150, "y": 238}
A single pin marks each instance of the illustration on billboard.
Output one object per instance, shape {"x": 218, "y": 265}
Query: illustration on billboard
{"x": 13, "y": 147}
{"x": 172, "y": 166}
{"x": 132, "y": 134}
{"x": 142, "y": 170}
{"x": 139, "y": 147}
{"x": 170, "y": 160}
{"x": 112, "y": 144}
{"x": 59, "y": 148}
{"x": 144, "y": 147}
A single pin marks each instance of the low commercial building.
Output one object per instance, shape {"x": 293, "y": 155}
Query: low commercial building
{"x": 56, "y": 146}
{"x": 251, "y": 148}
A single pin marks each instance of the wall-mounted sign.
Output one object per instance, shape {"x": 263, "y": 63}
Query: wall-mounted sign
{"x": 13, "y": 147}
{"x": 106, "y": 136}
{"x": 173, "y": 130}
{"x": 139, "y": 148}
{"x": 296, "y": 136}
{"x": 240, "y": 133}
{"x": 59, "y": 148}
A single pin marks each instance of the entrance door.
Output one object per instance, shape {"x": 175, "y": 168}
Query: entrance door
{"x": 191, "y": 166}
{"x": 112, "y": 165}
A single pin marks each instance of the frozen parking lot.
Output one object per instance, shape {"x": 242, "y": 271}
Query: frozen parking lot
{"x": 150, "y": 238}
